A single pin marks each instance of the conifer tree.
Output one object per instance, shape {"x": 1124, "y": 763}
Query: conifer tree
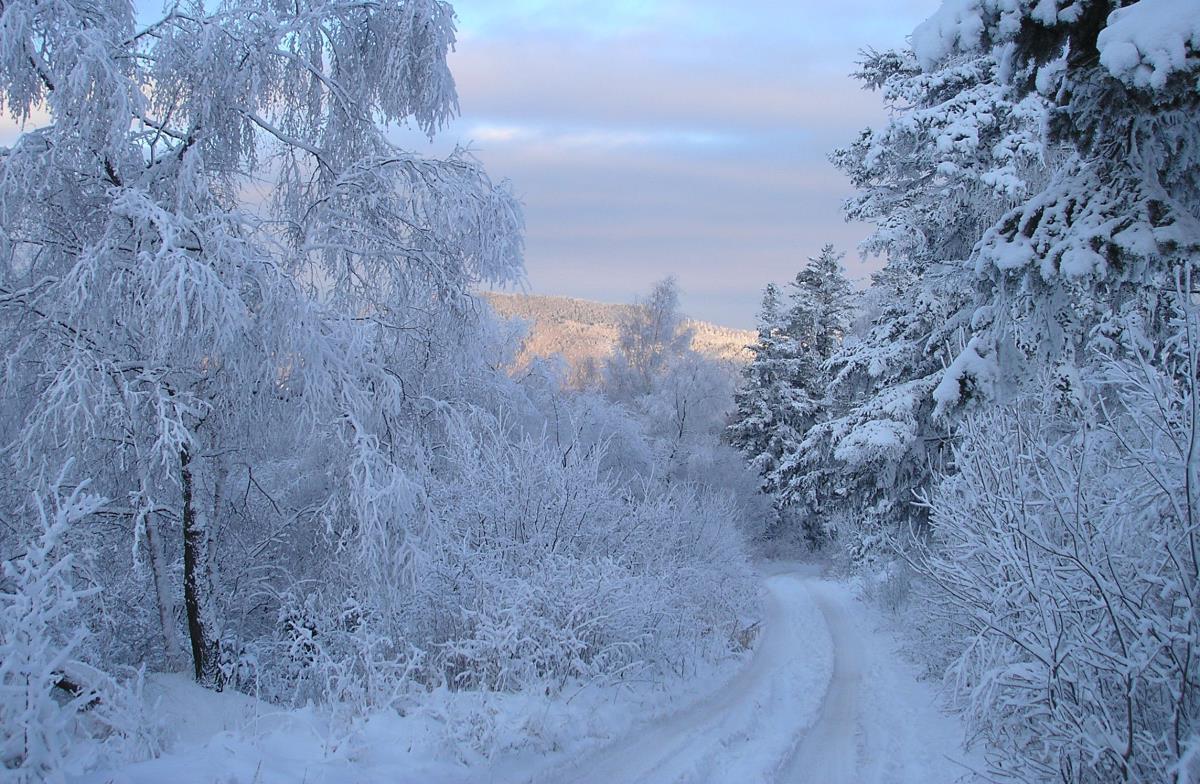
{"x": 956, "y": 154}
{"x": 758, "y": 421}
{"x": 783, "y": 392}
{"x": 1093, "y": 260}
{"x": 1070, "y": 520}
{"x": 822, "y": 305}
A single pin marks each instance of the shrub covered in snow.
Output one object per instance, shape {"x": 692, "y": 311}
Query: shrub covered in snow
{"x": 1064, "y": 548}
{"x": 58, "y": 714}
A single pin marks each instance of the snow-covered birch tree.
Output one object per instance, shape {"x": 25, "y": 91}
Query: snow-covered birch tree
{"x": 650, "y": 337}
{"x": 205, "y": 236}
{"x": 233, "y": 308}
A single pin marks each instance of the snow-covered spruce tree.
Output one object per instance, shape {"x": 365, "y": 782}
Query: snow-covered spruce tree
{"x": 821, "y": 309}
{"x": 957, "y": 152}
{"x": 1094, "y": 257}
{"x": 178, "y": 340}
{"x": 758, "y": 428}
{"x": 784, "y": 390}
{"x": 1069, "y": 557}
{"x": 821, "y": 305}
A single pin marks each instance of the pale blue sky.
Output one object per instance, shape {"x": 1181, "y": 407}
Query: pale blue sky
{"x": 684, "y": 137}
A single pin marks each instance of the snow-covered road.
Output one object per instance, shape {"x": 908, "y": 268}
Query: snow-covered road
{"x": 824, "y": 700}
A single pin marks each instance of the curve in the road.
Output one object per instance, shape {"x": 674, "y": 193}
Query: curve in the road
{"x": 830, "y": 752}
{"x": 741, "y": 731}
{"x": 823, "y": 700}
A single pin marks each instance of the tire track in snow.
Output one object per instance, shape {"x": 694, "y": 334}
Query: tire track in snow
{"x": 878, "y": 724}
{"x": 832, "y": 749}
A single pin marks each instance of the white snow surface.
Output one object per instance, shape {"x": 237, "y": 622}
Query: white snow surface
{"x": 957, "y": 24}
{"x": 875, "y": 439}
{"x": 1145, "y": 43}
{"x": 824, "y": 697}
{"x": 974, "y": 364}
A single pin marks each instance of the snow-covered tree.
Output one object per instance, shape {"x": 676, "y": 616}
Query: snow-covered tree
{"x": 1063, "y": 550}
{"x": 680, "y": 400}
{"x": 784, "y": 389}
{"x": 767, "y": 389}
{"x": 821, "y": 306}
{"x": 1096, "y": 255}
{"x": 1062, "y": 545}
{"x": 243, "y": 315}
{"x": 957, "y": 152}
{"x": 163, "y": 304}
{"x": 57, "y": 712}
{"x": 648, "y": 339}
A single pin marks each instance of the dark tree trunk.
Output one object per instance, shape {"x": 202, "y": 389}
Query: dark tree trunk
{"x": 196, "y": 583}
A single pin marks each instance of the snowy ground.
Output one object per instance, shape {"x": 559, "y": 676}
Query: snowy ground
{"x": 824, "y": 699}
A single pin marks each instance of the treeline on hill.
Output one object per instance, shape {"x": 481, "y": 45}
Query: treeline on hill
{"x": 585, "y": 333}
{"x": 254, "y": 426}
{"x": 1012, "y": 422}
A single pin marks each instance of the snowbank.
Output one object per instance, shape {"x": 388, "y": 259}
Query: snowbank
{"x": 449, "y": 738}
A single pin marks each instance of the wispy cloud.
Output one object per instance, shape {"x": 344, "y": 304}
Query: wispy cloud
{"x": 573, "y": 139}
{"x": 498, "y": 133}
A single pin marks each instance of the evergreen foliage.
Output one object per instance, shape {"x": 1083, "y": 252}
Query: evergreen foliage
{"x": 785, "y": 388}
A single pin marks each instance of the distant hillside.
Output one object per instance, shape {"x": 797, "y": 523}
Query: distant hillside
{"x": 583, "y": 331}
